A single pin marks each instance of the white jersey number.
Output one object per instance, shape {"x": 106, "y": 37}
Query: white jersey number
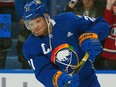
{"x": 31, "y": 63}
{"x": 89, "y": 18}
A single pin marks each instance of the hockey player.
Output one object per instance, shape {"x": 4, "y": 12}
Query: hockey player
{"x": 57, "y": 45}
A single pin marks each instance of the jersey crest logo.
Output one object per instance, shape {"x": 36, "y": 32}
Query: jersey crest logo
{"x": 64, "y": 57}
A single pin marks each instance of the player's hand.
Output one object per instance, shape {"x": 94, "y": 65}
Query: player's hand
{"x": 65, "y": 80}
{"x": 92, "y": 46}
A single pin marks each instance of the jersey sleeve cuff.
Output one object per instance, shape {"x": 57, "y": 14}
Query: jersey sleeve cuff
{"x": 87, "y": 36}
{"x": 55, "y": 78}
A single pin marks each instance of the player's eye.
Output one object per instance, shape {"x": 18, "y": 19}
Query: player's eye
{"x": 38, "y": 21}
{"x": 31, "y": 24}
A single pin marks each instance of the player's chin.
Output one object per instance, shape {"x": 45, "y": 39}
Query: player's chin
{"x": 39, "y": 33}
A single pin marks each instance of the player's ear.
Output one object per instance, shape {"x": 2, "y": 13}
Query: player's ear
{"x": 47, "y": 16}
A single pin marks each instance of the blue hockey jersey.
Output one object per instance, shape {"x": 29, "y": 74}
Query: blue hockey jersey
{"x": 66, "y": 52}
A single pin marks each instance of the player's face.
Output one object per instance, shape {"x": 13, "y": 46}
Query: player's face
{"x": 88, "y": 4}
{"x": 38, "y": 26}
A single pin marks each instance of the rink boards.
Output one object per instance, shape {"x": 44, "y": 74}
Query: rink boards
{"x": 26, "y": 78}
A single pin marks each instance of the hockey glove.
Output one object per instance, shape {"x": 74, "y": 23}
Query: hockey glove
{"x": 64, "y": 80}
{"x": 90, "y": 43}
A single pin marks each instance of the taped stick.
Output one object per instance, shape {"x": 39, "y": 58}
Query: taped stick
{"x": 77, "y": 69}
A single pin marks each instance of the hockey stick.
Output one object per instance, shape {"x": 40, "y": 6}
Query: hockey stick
{"x": 77, "y": 69}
